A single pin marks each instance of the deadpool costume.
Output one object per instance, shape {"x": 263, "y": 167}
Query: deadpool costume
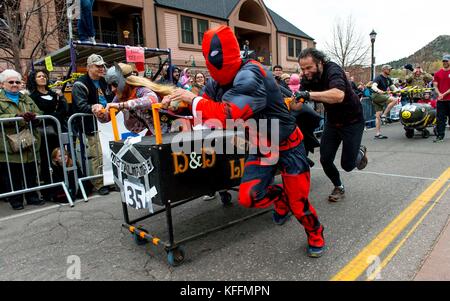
{"x": 243, "y": 90}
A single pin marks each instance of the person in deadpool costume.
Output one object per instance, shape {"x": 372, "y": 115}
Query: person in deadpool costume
{"x": 243, "y": 90}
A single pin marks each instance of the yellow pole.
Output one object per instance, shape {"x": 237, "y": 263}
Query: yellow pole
{"x": 112, "y": 114}
{"x": 157, "y": 122}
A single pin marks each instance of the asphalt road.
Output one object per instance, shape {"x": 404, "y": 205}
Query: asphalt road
{"x": 37, "y": 245}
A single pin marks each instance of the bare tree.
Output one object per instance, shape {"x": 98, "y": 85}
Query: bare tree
{"x": 348, "y": 47}
{"x": 27, "y": 28}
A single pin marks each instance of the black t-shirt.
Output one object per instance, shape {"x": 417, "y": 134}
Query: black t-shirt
{"x": 350, "y": 110}
{"x": 383, "y": 83}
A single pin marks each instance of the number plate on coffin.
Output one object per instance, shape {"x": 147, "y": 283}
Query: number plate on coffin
{"x": 136, "y": 196}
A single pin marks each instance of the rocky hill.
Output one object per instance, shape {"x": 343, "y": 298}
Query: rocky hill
{"x": 427, "y": 55}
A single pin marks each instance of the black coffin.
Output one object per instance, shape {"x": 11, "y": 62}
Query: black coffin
{"x": 203, "y": 163}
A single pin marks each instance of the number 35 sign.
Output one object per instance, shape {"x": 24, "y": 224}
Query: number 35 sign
{"x": 137, "y": 198}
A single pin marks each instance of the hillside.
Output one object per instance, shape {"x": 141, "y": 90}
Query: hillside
{"x": 430, "y": 53}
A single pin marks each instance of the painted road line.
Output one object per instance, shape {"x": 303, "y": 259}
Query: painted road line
{"x": 391, "y": 255}
{"x": 354, "y": 269}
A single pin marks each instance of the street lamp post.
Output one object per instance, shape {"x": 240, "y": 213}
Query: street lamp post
{"x": 373, "y": 36}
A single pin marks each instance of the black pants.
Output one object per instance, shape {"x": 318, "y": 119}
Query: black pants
{"x": 332, "y": 137}
{"x": 443, "y": 111}
{"x": 18, "y": 180}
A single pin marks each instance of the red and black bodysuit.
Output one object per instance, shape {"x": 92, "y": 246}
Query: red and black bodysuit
{"x": 245, "y": 90}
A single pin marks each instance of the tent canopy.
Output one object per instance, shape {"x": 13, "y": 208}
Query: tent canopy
{"x": 82, "y": 50}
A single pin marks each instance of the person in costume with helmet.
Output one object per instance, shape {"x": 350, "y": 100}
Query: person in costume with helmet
{"x": 134, "y": 97}
{"x": 245, "y": 90}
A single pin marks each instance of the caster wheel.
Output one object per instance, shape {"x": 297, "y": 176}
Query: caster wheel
{"x": 138, "y": 240}
{"x": 409, "y": 134}
{"x": 425, "y": 134}
{"x": 226, "y": 199}
{"x": 175, "y": 257}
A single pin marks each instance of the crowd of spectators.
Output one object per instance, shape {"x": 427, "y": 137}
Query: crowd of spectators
{"x": 93, "y": 94}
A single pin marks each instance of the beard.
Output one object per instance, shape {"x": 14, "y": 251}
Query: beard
{"x": 314, "y": 81}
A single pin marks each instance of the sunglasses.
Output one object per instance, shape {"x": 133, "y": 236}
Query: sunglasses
{"x": 14, "y": 82}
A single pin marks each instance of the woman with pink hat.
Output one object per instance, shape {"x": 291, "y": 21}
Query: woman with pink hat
{"x": 294, "y": 83}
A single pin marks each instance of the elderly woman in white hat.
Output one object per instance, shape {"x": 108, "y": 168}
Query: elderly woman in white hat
{"x": 15, "y": 104}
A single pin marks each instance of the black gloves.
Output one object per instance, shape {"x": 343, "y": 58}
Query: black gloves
{"x": 27, "y": 116}
{"x": 302, "y": 96}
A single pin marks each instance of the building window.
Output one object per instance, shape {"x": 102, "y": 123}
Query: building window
{"x": 187, "y": 30}
{"x": 202, "y": 27}
{"x": 298, "y": 47}
{"x": 294, "y": 47}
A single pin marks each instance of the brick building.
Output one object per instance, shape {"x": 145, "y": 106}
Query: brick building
{"x": 180, "y": 24}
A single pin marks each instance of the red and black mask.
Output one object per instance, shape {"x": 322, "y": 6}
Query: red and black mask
{"x": 222, "y": 54}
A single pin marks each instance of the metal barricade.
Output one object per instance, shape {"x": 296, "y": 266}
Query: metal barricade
{"x": 368, "y": 111}
{"x": 78, "y": 140}
{"x": 35, "y": 160}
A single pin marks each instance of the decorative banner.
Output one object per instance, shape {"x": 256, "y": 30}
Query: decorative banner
{"x": 49, "y": 63}
{"x": 135, "y": 55}
{"x": 106, "y": 135}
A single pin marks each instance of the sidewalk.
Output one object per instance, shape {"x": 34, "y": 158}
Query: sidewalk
{"x": 437, "y": 265}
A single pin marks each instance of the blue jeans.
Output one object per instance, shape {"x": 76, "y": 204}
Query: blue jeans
{"x": 86, "y": 23}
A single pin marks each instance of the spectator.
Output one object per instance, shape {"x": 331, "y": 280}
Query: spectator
{"x": 90, "y": 95}
{"x": 382, "y": 86}
{"x": 175, "y": 71}
{"x": 246, "y": 48}
{"x": 185, "y": 79}
{"x": 353, "y": 84}
{"x": 48, "y": 101}
{"x": 420, "y": 80}
{"x": 198, "y": 88}
{"x": 428, "y": 100}
{"x": 134, "y": 97}
{"x": 15, "y": 104}
{"x": 294, "y": 83}
{"x": 86, "y": 30}
{"x": 285, "y": 78}
{"x": 277, "y": 73}
{"x": 442, "y": 86}
{"x": 57, "y": 194}
{"x": 50, "y": 104}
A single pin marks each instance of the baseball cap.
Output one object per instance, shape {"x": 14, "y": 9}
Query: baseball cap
{"x": 446, "y": 57}
{"x": 95, "y": 59}
{"x": 386, "y": 67}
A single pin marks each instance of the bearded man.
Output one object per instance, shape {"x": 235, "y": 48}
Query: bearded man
{"x": 324, "y": 81}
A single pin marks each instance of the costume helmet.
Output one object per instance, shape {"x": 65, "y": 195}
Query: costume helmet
{"x": 222, "y": 54}
{"x": 117, "y": 75}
